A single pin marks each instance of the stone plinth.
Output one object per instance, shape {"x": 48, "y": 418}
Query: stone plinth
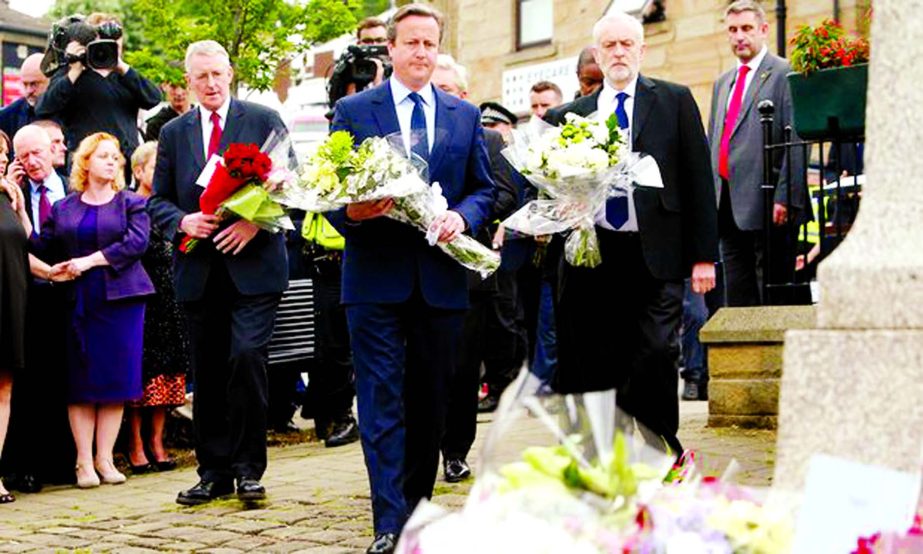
{"x": 853, "y": 387}
{"x": 851, "y": 394}
{"x": 745, "y": 362}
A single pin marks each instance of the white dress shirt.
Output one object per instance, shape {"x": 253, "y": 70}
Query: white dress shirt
{"x": 753, "y": 64}
{"x": 403, "y": 105}
{"x": 605, "y": 106}
{"x": 206, "y": 117}
{"x": 56, "y": 191}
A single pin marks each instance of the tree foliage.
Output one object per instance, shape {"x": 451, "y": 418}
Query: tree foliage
{"x": 259, "y": 35}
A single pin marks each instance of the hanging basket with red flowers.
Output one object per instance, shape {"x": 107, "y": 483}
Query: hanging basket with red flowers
{"x": 829, "y": 81}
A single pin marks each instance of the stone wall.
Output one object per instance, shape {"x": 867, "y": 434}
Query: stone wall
{"x": 689, "y": 47}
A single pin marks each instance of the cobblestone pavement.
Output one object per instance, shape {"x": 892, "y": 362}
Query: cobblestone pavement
{"x": 319, "y": 502}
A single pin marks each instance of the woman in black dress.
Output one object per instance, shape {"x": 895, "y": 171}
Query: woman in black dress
{"x": 166, "y": 345}
{"x": 15, "y": 265}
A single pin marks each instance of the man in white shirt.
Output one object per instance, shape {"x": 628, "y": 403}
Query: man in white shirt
{"x": 736, "y": 140}
{"x": 618, "y": 323}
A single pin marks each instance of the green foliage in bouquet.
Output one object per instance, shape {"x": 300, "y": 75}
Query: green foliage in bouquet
{"x": 825, "y": 46}
{"x": 559, "y": 467}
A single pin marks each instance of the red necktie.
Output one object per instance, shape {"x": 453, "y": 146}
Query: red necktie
{"x": 215, "y": 137}
{"x": 44, "y": 205}
{"x": 730, "y": 120}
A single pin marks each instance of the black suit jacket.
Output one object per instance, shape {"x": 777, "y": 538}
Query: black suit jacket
{"x": 262, "y": 266}
{"x": 679, "y": 223}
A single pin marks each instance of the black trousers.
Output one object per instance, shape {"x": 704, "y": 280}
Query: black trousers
{"x": 506, "y": 339}
{"x": 332, "y": 379}
{"x": 39, "y": 440}
{"x": 618, "y": 327}
{"x": 461, "y": 417}
{"x": 229, "y": 333}
{"x": 741, "y": 257}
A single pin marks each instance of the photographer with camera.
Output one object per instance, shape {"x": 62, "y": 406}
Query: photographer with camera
{"x": 363, "y": 65}
{"x": 92, "y": 88}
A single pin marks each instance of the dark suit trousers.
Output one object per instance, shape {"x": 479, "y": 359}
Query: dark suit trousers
{"x": 618, "y": 327}
{"x": 741, "y": 256}
{"x": 462, "y": 416}
{"x": 404, "y": 355}
{"x": 229, "y": 333}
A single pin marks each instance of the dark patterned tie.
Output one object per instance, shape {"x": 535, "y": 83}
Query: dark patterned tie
{"x": 44, "y": 205}
{"x": 419, "y": 140}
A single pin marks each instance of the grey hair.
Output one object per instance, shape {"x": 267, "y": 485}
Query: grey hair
{"x": 618, "y": 17}
{"x": 741, "y": 6}
{"x": 446, "y": 61}
{"x": 206, "y": 48}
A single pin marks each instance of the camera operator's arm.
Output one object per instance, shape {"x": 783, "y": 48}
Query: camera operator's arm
{"x": 144, "y": 92}
{"x": 61, "y": 88}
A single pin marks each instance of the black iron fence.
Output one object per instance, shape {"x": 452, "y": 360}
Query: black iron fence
{"x": 830, "y": 183}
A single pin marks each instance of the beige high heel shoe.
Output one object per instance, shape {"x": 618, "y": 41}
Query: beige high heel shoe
{"x": 86, "y": 477}
{"x": 108, "y": 473}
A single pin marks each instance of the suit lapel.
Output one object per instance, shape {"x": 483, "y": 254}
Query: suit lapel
{"x": 724, "y": 92}
{"x": 385, "y": 118}
{"x": 194, "y": 136}
{"x": 232, "y": 126}
{"x": 762, "y": 73}
{"x": 445, "y": 105}
{"x": 644, "y": 102}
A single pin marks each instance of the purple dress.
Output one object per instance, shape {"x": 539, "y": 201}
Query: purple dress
{"x": 106, "y": 336}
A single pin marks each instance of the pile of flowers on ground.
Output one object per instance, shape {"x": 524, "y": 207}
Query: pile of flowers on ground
{"x": 597, "y": 488}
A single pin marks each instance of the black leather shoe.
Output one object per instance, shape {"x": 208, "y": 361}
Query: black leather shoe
{"x": 24, "y": 482}
{"x": 695, "y": 391}
{"x": 250, "y": 490}
{"x": 455, "y": 470}
{"x": 342, "y": 432}
{"x": 488, "y": 404}
{"x": 204, "y": 491}
{"x": 384, "y": 543}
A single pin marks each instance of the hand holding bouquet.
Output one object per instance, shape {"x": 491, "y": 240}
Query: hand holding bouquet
{"x": 235, "y": 188}
{"x": 335, "y": 175}
{"x": 577, "y": 167}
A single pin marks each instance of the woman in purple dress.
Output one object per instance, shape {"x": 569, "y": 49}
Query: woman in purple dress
{"x": 102, "y": 230}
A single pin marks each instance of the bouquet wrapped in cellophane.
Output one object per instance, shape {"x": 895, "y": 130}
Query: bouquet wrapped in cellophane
{"x": 572, "y": 474}
{"x": 236, "y": 186}
{"x": 335, "y": 174}
{"x": 576, "y": 167}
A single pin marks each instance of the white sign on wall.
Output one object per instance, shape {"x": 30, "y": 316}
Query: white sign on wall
{"x": 517, "y": 82}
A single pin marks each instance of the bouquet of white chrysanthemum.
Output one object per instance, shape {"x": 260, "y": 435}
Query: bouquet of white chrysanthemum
{"x": 335, "y": 174}
{"x": 577, "y": 167}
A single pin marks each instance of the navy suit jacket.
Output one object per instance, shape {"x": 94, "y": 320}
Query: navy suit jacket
{"x": 261, "y": 267}
{"x": 384, "y": 259}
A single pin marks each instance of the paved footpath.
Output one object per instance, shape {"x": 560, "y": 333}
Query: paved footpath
{"x": 319, "y": 502}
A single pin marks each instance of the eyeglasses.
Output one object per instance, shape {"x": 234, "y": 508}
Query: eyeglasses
{"x": 373, "y": 40}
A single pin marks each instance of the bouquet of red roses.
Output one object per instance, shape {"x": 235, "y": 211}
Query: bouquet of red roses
{"x": 236, "y": 189}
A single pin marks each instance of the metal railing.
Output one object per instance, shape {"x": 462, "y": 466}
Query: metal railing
{"x": 793, "y": 249}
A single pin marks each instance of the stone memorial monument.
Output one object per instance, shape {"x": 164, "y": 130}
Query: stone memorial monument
{"x": 853, "y": 387}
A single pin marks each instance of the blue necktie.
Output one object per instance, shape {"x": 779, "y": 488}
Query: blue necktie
{"x": 419, "y": 141}
{"x": 617, "y": 206}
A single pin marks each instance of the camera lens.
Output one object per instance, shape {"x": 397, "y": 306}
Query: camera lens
{"x": 103, "y": 54}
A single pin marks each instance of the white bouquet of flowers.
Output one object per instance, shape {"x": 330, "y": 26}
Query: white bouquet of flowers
{"x": 335, "y": 174}
{"x": 577, "y": 167}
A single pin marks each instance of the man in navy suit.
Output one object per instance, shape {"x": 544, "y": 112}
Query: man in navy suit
{"x": 405, "y": 300}
{"x": 229, "y": 285}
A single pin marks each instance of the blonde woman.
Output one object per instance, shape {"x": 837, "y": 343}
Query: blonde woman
{"x": 102, "y": 231}
{"x": 166, "y": 345}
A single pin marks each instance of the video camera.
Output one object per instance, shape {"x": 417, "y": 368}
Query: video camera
{"x": 357, "y": 66}
{"x": 100, "y": 41}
